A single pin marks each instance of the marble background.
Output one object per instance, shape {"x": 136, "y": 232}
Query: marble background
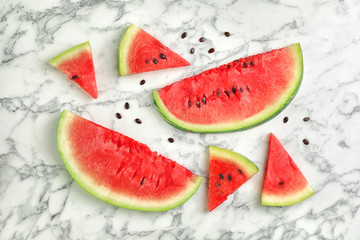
{"x": 39, "y": 199}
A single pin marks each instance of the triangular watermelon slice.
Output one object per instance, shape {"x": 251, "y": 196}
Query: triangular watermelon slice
{"x": 120, "y": 170}
{"x": 284, "y": 184}
{"x": 77, "y": 63}
{"x": 140, "y": 52}
{"x": 228, "y": 170}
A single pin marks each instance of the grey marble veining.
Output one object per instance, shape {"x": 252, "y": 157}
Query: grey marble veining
{"x": 39, "y": 199}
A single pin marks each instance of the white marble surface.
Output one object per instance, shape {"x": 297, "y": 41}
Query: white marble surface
{"x": 39, "y": 199}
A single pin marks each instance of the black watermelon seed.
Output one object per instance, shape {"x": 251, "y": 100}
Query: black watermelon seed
{"x": 184, "y": 35}
{"x": 251, "y": 63}
{"x": 240, "y": 172}
{"x": 281, "y": 183}
{"x": 306, "y": 142}
{"x": 237, "y": 60}
{"x": 142, "y": 82}
{"x": 192, "y": 50}
{"x": 189, "y": 103}
{"x": 118, "y": 115}
{"x": 171, "y": 140}
{"x": 247, "y": 88}
{"x": 138, "y": 121}
{"x": 211, "y": 50}
{"x": 227, "y": 34}
{"x": 233, "y": 90}
{"x": 218, "y": 92}
{"x": 228, "y": 66}
{"x": 155, "y": 60}
{"x": 75, "y": 77}
{"x": 204, "y": 100}
{"x": 229, "y": 177}
{"x": 202, "y": 39}
{"x": 241, "y": 90}
{"x": 227, "y": 93}
{"x": 198, "y": 104}
{"x": 142, "y": 181}
{"x": 286, "y": 119}
{"x": 221, "y": 176}
{"x": 244, "y": 64}
{"x": 218, "y": 184}
{"x": 127, "y": 105}
{"x": 306, "y": 119}
{"x": 162, "y": 56}
{"x": 147, "y": 61}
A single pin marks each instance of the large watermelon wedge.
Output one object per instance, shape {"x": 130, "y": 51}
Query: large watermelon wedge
{"x": 140, "y": 52}
{"x": 238, "y": 95}
{"x": 120, "y": 170}
{"x": 228, "y": 170}
{"x": 77, "y": 63}
{"x": 284, "y": 184}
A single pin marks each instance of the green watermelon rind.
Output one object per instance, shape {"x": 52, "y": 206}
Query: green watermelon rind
{"x": 123, "y": 66}
{"x": 250, "y": 168}
{"x": 290, "y": 199}
{"x": 261, "y": 118}
{"x": 70, "y": 54}
{"x": 88, "y": 184}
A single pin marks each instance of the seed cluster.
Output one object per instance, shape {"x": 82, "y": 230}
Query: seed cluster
{"x": 305, "y": 119}
{"x": 155, "y": 60}
{"x": 228, "y": 177}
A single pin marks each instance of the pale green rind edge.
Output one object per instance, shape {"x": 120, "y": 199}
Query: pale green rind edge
{"x": 254, "y": 121}
{"x": 250, "y": 168}
{"x": 101, "y": 192}
{"x": 68, "y": 54}
{"x": 123, "y": 52}
{"x": 281, "y": 201}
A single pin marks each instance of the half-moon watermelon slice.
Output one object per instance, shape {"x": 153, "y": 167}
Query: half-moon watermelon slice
{"x": 228, "y": 170}
{"x": 120, "y": 170}
{"x": 235, "y": 96}
{"x": 77, "y": 63}
{"x": 140, "y": 52}
{"x": 284, "y": 184}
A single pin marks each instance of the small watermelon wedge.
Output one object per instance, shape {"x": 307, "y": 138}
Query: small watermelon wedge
{"x": 284, "y": 184}
{"x": 120, "y": 170}
{"x": 77, "y": 63}
{"x": 235, "y": 96}
{"x": 140, "y": 52}
{"x": 228, "y": 170}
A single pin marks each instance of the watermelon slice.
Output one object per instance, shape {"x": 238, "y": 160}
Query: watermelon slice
{"x": 140, "y": 52}
{"x": 227, "y": 172}
{"x": 120, "y": 170}
{"x": 284, "y": 184}
{"x": 238, "y": 95}
{"x": 77, "y": 63}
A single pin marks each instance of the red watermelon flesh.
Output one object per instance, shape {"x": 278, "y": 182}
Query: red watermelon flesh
{"x": 237, "y": 95}
{"x": 284, "y": 184}
{"x": 120, "y": 170}
{"x": 77, "y": 63}
{"x": 227, "y": 172}
{"x": 140, "y": 52}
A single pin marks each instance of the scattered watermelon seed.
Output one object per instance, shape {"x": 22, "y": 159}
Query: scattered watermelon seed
{"x": 202, "y": 39}
{"x": 221, "y": 176}
{"x": 204, "y": 100}
{"x": 306, "y": 119}
{"x": 184, "y": 35}
{"x": 142, "y": 181}
{"x": 229, "y": 177}
{"x": 189, "y": 103}
{"x": 162, "y": 56}
{"x": 218, "y": 184}
{"x": 142, "y": 82}
{"x": 233, "y": 90}
{"x": 228, "y": 66}
{"x": 211, "y": 50}
{"x": 240, "y": 172}
{"x": 227, "y": 34}
{"x": 155, "y": 60}
{"x": 75, "y": 77}
{"x": 237, "y": 60}
{"x": 118, "y": 115}
{"x": 281, "y": 183}
{"x": 251, "y": 63}
{"x": 218, "y": 92}
{"x": 306, "y": 142}
{"x": 286, "y": 119}
{"x": 241, "y": 90}
{"x": 244, "y": 64}
{"x": 171, "y": 140}
{"x": 198, "y": 104}
{"x": 147, "y": 61}
{"x": 127, "y": 105}
{"x": 138, "y": 121}
{"x": 247, "y": 88}
{"x": 192, "y": 50}
{"x": 227, "y": 93}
